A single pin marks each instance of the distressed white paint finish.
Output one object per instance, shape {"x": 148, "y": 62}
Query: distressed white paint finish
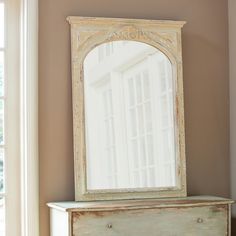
{"x": 87, "y": 33}
{"x": 192, "y": 216}
{"x": 185, "y": 221}
{"x": 59, "y": 223}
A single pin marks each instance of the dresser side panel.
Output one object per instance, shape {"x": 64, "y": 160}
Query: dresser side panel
{"x": 59, "y": 223}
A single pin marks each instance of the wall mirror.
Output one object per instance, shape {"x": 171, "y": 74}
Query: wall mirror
{"x": 128, "y": 115}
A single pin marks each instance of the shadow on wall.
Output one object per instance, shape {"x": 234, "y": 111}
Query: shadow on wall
{"x": 233, "y": 228}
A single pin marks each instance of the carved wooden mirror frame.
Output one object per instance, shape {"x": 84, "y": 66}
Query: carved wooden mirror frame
{"x": 86, "y": 34}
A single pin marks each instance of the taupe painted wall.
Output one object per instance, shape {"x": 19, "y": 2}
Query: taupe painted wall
{"x": 232, "y": 46}
{"x": 205, "y": 53}
{"x": 232, "y": 85}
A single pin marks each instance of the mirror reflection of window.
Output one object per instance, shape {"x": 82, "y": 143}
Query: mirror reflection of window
{"x": 129, "y": 109}
{"x": 105, "y": 50}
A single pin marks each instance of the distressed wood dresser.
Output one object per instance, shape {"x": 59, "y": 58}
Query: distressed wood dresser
{"x": 191, "y": 216}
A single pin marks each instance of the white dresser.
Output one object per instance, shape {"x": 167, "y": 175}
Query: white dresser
{"x": 191, "y": 216}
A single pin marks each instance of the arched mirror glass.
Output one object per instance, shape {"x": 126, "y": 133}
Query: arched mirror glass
{"x": 129, "y": 99}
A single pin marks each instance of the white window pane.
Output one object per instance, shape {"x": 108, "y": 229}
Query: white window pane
{"x": 1, "y": 171}
{"x": 110, "y": 102}
{"x": 168, "y": 178}
{"x": 150, "y": 149}
{"x": 112, "y": 131}
{"x": 110, "y": 182}
{"x": 144, "y": 178}
{"x": 152, "y": 177}
{"x": 109, "y": 160}
{"x": 2, "y": 216}
{"x": 140, "y": 120}
{"x": 1, "y": 25}
{"x": 105, "y": 103}
{"x": 114, "y": 160}
{"x": 164, "y": 111}
{"x": 1, "y": 73}
{"x": 136, "y": 179}
{"x": 148, "y": 116}
{"x": 166, "y": 146}
{"x": 146, "y": 86}
{"x": 131, "y": 91}
{"x": 138, "y": 88}
{"x": 143, "y": 152}
{"x": 1, "y": 121}
{"x": 133, "y": 122}
{"x": 135, "y": 154}
{"x": 107, "y": 137}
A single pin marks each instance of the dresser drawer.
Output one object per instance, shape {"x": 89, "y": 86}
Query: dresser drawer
{"x": 185, "y": 221}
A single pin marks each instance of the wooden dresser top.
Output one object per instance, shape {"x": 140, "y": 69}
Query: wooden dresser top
{"x": 139, "y": 204}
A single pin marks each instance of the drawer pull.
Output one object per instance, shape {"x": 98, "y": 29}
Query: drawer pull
{"x": 200, "y": 220}
{"x": 109, "y": 226}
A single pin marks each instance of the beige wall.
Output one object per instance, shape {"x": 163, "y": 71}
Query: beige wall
{"x": 232, "y": 54}
{"x": 205, "y": 83}
{"x": 232, "y": 85}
